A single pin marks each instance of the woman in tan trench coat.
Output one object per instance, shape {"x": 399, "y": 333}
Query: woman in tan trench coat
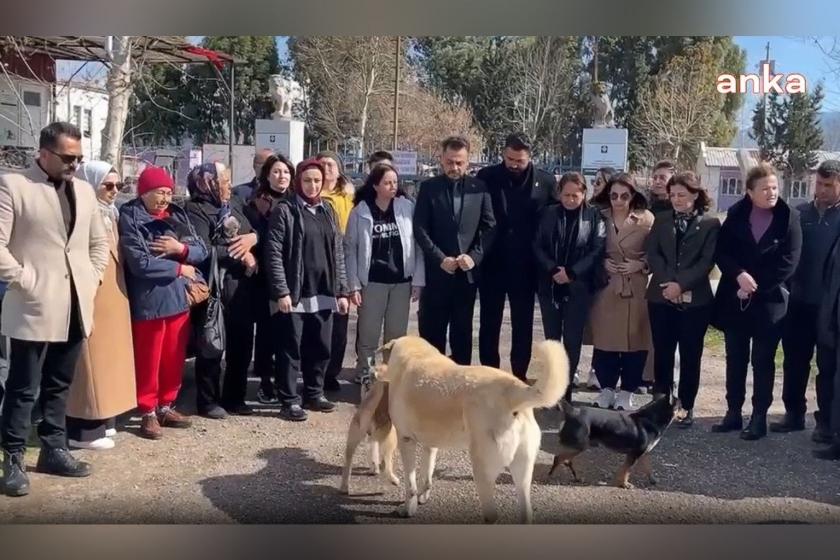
{"x": 104, "y": 385}
{"x": 619, "y": 316}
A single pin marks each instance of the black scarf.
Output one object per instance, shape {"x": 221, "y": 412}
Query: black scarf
{"x": 682, "y": 219}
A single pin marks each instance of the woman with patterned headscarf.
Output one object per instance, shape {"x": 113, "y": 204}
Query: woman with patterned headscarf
{"x": 220, "y": 221}
{"x": 104, "y": 384}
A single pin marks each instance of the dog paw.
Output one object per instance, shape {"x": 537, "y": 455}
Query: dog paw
{"x": 626, "y": 486}
{"x": 424, "y": 496}
{"x": 344, "y": 488}
{"x": 394, "y": 480}
{"x": 409, "y": 509}
{"x": 375, "y": 470}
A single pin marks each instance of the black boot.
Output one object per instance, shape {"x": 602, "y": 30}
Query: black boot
{"x": 731, "y": 422}
{"x": 756, "y": 429}
{"x": 14, "y": 474}
{"x": 830, "y": 453}
{"x": 790, "y": 423}
{"x": 61, "y": 463}
{"x": 822, "y": 433}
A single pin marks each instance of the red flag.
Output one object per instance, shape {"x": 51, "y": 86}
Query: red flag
{"x": 212, "y": 56}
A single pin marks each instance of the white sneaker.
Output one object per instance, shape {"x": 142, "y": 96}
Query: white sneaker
{"x": 110, "y": 432}
{"x": 624, "y": 401}
{"x": 100, "y": 444}
{"x": 576, "y": 379}
{"x": 606, "y": 399}
{"x": 593, "y": 383}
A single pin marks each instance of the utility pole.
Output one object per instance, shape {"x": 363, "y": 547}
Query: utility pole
{"x": 397, "y": 56}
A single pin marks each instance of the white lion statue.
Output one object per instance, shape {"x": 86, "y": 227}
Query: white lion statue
{"x": 281, "y": 94}
{"x": 602, "y": 109}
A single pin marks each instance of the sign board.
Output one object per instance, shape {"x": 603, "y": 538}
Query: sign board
{"x": 405, "y": 162}
{"x": 195, "y": 158}
{"x": 280, "y": 135}
{"x": 604, "y": 147}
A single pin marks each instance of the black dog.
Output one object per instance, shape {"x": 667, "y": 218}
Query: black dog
{"x": 633, "y": 434}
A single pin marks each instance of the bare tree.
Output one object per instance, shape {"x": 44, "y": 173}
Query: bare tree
{"x": 119, "y": 86}
{"x": 344, "y": 77}
{"x": 544, "y": 73}
{"x": 677, "y": 107}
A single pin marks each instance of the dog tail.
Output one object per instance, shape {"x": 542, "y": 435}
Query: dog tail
{"x": 551, "y": 382}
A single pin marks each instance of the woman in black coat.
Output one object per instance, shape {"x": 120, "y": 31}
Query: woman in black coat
{"x": 681, "y": 254}
{"x": 757, "y": 252}
{"x": 274, "y": 185}
{"x": 569, "y": 248}
{"x": 220, "y": 222}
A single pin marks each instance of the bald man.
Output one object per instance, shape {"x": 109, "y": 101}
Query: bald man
{"x": 245, "y": 190}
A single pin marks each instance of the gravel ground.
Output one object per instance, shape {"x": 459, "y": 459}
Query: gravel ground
{"x": 261, "y": 469}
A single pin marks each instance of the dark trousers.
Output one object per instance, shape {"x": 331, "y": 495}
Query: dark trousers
{"x": 670, "y": 328}
{"x": 304, "y": 348}
{"x": 765, "y": 342}
{"x": 799, "y": 340}
{"x": 265, "y": 358}
{"x": 626, "y": 366}
{"x": 210, "y": 391}
{"x": 79, "y": 429}
{"x": 566, "y": 322}
{"x": 338, "y": 344}
{"x": 450, "y": 304}
{"x": 4, "y": 359}
{"x": 835, "y": 401}
{"x": 492, "y": 293}
{"x": 50, "y": 367}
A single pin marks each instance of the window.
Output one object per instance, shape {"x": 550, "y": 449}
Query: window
{"x": 88, "y": 123}
{"x": 32, "y": 98}
{"x": 731, "y": 186}
{"x": 799, "y": 189}
{"x": 77, "y": 115}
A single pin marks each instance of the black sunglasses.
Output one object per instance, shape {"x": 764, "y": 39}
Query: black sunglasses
{"x": 67, "y": 159}
{"x": 622, "y": 196}
{"x": 111, "y": 186}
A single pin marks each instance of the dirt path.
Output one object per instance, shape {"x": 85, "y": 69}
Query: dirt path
{"x": 261, "y": 469}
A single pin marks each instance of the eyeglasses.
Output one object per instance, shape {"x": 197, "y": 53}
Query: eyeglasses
{"x": 622, "y": 196}
{"x": 109, "y": 186}
{"x": 67, "y": 159}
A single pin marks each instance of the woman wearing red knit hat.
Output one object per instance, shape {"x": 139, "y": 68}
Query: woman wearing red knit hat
{"x": 304, "y": 259}
{"x": 160, "y": 250}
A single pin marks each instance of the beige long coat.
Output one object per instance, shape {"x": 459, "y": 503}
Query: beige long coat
{"x": 104, "y": 384}
{"x": 38, "y": 260}
{"x": 619, "y": 316}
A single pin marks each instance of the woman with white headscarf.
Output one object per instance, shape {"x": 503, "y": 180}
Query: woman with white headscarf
{"x": 104, "y": 384}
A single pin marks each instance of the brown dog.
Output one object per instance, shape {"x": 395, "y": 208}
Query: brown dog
{"x": 372, "y": 419}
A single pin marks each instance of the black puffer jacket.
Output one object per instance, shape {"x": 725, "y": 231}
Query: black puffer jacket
{"x": 284, "y": 251}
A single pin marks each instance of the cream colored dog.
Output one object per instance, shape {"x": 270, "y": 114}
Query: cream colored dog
{"x": 437, "y": 403}
{"x": 372, "y": 419}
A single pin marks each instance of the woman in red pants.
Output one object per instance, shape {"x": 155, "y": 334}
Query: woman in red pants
{"x": 160, "y": 249}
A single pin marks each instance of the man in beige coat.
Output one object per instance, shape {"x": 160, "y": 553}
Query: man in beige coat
{"x": 53, "y": 252}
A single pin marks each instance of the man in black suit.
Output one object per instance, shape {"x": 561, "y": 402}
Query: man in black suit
{"x": 453, "y": 225}
{"x": 518, "y": 191}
